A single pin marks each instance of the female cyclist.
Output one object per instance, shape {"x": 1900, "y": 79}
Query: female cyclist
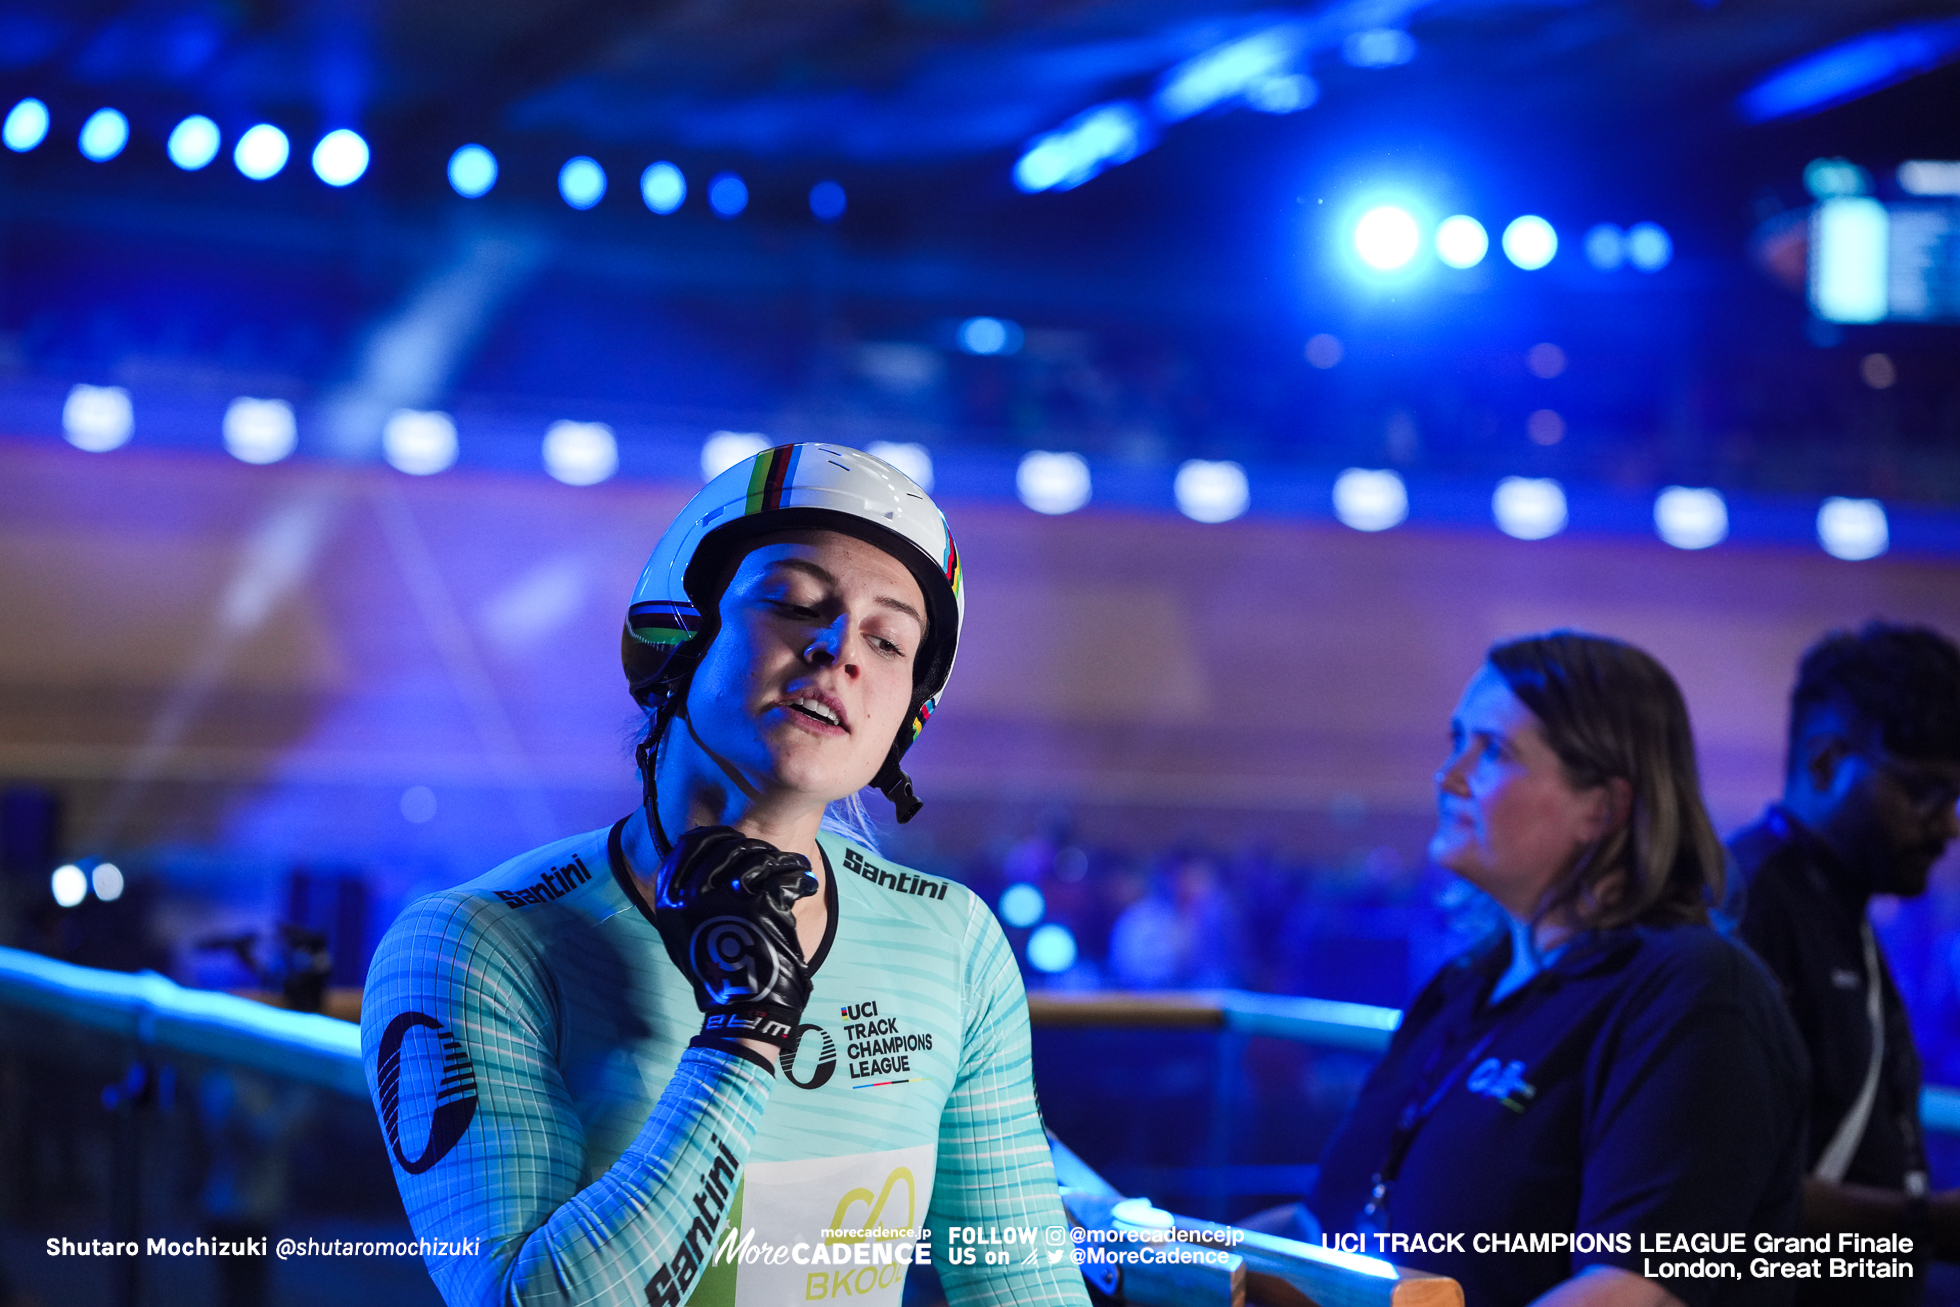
{"x": 719, "y": 1054}
{"x": 1562, "y": 1115}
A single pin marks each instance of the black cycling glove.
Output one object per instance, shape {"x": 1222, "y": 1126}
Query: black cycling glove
{"x": 724, "y": 906}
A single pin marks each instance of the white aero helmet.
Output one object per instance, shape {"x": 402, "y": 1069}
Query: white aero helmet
{"x": 675, "y": 606}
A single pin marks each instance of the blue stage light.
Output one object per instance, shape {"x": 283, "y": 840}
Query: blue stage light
{"x": 340, "y": 158}
{"x": 260, "y": 430}
{"x": 1851, "y": 68}
{"x": 261, "y": 152}
{"x": 1530, "y": 242}
{"x": 1529, "y": 508}
{"x": 1370, "y": 500}
{"x": 1226, "y": 72}
{"x": 104, "y": 135}
{"x": 1853, "y": 529}
{"x": 420, "y": 444}
{"x": 1606, "y": 247}
{"x": 1461, "y": 241}
{"x": 1083, "y": 146}
{"x": 1052, "y": 483}
{"x": 1287, "y": 93}
{"x": 1386, "y": 238}
{"x": 580, "y": 453}
{"x": 728, "y": 194}
{"x": 990, "y": 336}
{"x": 1051, "y": 949}
{"x": 193, "y": 143}
{"x": 1648, "y": 247}
{"x": 1691, "y": 517}
{"x": 98, "y": 418}
{"x": 582, "y": 182}
{"x": 827, "y": 201}
{"x": 663, "y": 187}
{"x": 472, "y": 171}
{"x": 26, "y": 126}
{"x": 1209, "y": 491}
{"x": 1022, "y": 905}
{"x": 1378, "y": 47}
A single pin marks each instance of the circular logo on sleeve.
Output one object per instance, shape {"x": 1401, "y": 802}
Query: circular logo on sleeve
{"x": 806, "y": 1063}
{"x": 731, "y": 960}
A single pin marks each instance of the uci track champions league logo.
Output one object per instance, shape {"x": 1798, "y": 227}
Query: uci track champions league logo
{"x": 731, "y": 960}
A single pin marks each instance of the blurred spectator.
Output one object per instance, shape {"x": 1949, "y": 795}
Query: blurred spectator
{"x": 1184, "y": 934}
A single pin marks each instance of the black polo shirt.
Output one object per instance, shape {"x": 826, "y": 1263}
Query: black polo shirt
{"x": 1647, "y": 1083}
{"x": 1802, "y": 910}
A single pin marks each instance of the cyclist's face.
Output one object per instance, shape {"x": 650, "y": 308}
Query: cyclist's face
{"x": 809, "y": 678}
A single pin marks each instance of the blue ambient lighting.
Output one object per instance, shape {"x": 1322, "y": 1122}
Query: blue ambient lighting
{"x": 1082, "y": 147}
{"x": 340, "y": 158}
{"x": 1649, "y": 248}
{"x": 728, "y": 194}
{"x": 582, "y": 182}
{"x": 1529, "y": 508}
{"x": 104, "y": 135}
{"x": 261, "y": 152}
{"x": 472, "y": 171}
{"x": 1225, "y": 72}
{"x": 1378, "y": 47}
{"x": 1850, "y": 69}
{"x": 827, "y": 201}
{"x": 26, "y": 126}
{"x": 1690, "y": 517}
{"x": 990, "y": 336}
{"x": 1211, "y": 491}
{"x": 1052, "y": 483}
{"x": 1606, "y": 247}
{"x": 193, "y": 143}
{"x": 580, "y": 453}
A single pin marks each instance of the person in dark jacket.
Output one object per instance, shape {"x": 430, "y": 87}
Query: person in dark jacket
{"x": 1610, "y": 1075}
{"x": 1868, "y": 807}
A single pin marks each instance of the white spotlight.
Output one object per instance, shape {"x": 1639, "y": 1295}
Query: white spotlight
{"x": 260, "y": 430}
{"x": 340, "y": 158}
{"x": 1853, "y": 529}
{"x": 70, "y": 886}
{"x": 193, "y": 143}
{"x": 724, "y": 449}
{"x": 1689, "y": 518}
{"x": 472, "y": 171}
{"x": 98, "y": 418}
{"x": 909, "y": 457}
{"x": 1530, "y": 242}
{"x": 1529, "y": 508}
{"x": 663, "y": 187}
{"x": 580, "y": 453}
{"x": 1052, "y": 483}
{"x": 104, "y": 135}
{"x": 420, "y": 444}
{"x": 26, "y": 126}
{"x": 261, "y": 152}
{"x": 1461, "y": 241}
{"x": 108, "y": 881}
{"x": 1370, "y": 500}
{"x": 1386, "y": 238}
{"x": 1211, "y": 492}
{"x": 582, "y": 182}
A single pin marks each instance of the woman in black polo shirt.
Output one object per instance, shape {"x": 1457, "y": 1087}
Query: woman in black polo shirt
{"x": 1611, "y": 1072}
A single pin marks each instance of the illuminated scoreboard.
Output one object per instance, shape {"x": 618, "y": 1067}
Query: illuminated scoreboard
{"x": 1898, "y": 260}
